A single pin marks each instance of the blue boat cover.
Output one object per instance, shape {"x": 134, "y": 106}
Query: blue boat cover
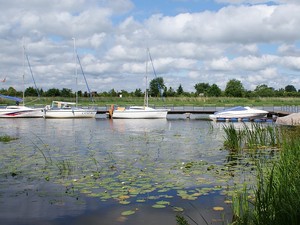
{"x": 11, "y": 98}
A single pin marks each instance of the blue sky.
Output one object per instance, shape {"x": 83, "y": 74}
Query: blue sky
{"x": 172, "y": 7}
{"x": 191, "y": 41}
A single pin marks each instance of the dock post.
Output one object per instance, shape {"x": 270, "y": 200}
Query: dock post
{"x": 188, "y": 115}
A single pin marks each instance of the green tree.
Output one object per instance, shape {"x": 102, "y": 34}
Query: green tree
{"x": 171, "y": 92}
{"x": 264, "y": 91}
{"x": 11, "y": 91}
{"x": 138, "y": 93}
{"x": 214, "y": 91}
{"x": 79, "y": 93}
{"x": 156, "y": 87}
{"x": 201, "y": 88}
{"x": 179, "y": 90}
{"x": 290, "y": 88}
{"x": 234, "y": 88}
{"x": 113, "y": 93}
{"x": 53, "y": 92}
{"x": 124, "y": 93}
{"x": 65, "y": 92}
{"x": 30, "y": 91}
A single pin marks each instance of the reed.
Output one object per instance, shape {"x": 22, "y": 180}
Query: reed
{"x": 233, "y": 138}
{"x": 253, "y": 137}
{"x": 241, "y": 208}
{"x": 277, "y": 192}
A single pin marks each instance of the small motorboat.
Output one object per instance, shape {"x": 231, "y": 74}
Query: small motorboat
{"x": 239, "y": 112}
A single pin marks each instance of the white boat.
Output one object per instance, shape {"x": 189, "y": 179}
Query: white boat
{"x": 60, "y": 109}
{"x": 19, "y": 111}
{"x": 239, "y": 112}
{"x": 139, "y": 112}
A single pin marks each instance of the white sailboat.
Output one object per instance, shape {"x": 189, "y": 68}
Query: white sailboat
{"x": 20, "y": 111}
{"x": 139, "y": 112}
{"x": 60, "y": 109}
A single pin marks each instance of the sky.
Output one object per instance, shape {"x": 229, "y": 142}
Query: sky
{"x": 191, "y": 41}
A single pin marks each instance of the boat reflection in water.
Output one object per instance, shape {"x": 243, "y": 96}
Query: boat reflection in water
{"x": 138, "y": 125}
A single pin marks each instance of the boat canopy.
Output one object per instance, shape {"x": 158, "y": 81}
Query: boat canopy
{"x": 11, "y": 98}
{"x": 237, "y": 108}
{"x": 60, "y": 104}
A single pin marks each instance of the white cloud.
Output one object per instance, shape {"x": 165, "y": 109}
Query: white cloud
{"x": 205, "y": 46}
{"x": 222, "y": 64}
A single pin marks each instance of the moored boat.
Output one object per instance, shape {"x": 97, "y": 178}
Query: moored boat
{"x": 239, "y": 112}
{"x": 60, "y": 109}
{"x": 138, "y": 112}
{"x": 19, "y": 111}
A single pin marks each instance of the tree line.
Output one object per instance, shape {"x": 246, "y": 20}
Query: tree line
{"x": 157, "y": 88}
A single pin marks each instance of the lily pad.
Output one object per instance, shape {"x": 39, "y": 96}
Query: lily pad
{"x": 218, "y": 208}
{"x": 158, "y": 206}
{"x": 128, "y": 213}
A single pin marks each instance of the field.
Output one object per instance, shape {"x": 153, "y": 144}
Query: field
{"x": 170, "y": 101}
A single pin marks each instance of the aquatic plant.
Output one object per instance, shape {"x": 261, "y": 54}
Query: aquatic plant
{"x": 254, "y": 136}
{"x": 233, "y": 138}
{"x": 181, "y": 220}
{"x": 277, "y": 192}
{"x": 7, "y": 138}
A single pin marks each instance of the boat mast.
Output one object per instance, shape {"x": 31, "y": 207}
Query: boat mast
{"x": 76, "y": 75}
{"x": 23, "y": 73}
{"x": 146, "y": 91}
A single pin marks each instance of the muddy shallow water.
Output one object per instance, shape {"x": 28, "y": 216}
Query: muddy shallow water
{"x": 100, "y": 171}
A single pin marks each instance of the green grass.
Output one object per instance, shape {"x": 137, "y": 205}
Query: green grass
{"x": 277, "y": 192}
{"x": 169, "y": 101}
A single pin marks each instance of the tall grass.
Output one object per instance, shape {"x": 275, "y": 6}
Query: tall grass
{"x": 233, "y": 138}
{"x": 277, "y": 192}
{"x": 253, "y": 136}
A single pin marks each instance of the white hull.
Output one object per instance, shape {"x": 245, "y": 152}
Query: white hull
{"x": 140, "y": 113}
{"x": 239, "y": 113}
{"x": 21, "y": 112}
{"x": 70, "y": 113}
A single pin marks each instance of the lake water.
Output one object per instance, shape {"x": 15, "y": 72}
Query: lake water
{"x": 101, "y": 171}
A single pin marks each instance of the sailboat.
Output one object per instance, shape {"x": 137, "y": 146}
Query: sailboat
{"x": 139, "y": 112}
{"x": 61, "y": 109}
{"x": 17, "y": 110}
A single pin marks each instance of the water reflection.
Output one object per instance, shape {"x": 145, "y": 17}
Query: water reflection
{"x": 138, "y": 125}
{"x": 94, "y": 162}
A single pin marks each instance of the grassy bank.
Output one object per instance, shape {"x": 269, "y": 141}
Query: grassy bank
{"x": 277, "y": 192}
{"x": 170, "y": 101}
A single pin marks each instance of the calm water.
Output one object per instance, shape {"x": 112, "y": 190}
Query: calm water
{"x": 95, "y": 171}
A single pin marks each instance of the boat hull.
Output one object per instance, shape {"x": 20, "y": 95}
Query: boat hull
{"x": 21, "y": 112}
{"x": 140, "y": 114}
{"x": 69, "y": 113}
